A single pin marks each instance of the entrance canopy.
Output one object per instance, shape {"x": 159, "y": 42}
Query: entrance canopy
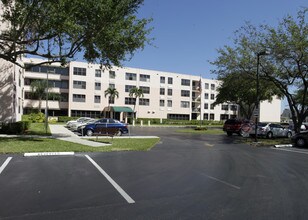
{"x": 118, "y": 109}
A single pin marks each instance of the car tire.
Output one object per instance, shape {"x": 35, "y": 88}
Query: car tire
{"x": 300, "y": 142}
{"x": 229, "y": 133}
{"x": 269, "y": 135}
{"x": 89, "y": 132}
{"x": 289, "y": 135}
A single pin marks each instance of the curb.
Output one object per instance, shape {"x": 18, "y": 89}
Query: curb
{"x": 38, "y": 154}
{"x": 283, "y": 145}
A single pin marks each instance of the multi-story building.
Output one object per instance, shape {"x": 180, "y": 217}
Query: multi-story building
{"x": 81, "y": 88}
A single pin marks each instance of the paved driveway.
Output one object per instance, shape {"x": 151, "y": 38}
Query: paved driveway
{"x": 184, "y": 177}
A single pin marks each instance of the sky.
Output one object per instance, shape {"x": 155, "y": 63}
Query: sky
{"x": 188, "y": 32}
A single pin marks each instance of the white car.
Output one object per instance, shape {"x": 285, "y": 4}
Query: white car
{"x": 75, "y": 126}
{"x": 69, "y": 123}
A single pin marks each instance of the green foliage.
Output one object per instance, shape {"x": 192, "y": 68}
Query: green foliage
{"x": 106, "y": 31}
{"x": 36, "y": 117}
{"x": 15, "y": 127}
{"x": 66, "y": 118}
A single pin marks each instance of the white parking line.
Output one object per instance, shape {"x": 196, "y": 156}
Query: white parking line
{"x": 6, "y": 162}
{"x": 221, "y": 181}
{"x": 113, "y": 183}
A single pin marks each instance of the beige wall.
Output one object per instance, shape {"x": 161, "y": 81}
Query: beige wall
{"x": 270, "y": 111}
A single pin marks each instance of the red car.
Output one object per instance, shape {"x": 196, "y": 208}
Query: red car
{"x": 233, "y": 126}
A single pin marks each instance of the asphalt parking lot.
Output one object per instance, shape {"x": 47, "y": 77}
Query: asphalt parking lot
{"x": 185, "y": 176}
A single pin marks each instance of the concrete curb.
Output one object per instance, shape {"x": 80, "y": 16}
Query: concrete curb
{"x": 38, "y": 154}
{"x": 283, "y": 145}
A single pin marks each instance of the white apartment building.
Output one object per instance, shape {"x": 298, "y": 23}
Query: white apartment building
{"x": 166, "y": 95}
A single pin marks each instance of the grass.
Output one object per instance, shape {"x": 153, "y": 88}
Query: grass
{"x": 23, "y": 145}
{"x": 208, "y": 131}
{"x": 38, "y": 129}
{"x": 271, "y": 142}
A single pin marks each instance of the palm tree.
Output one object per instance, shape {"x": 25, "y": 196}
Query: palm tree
{"x": 137, "y": 93}
{"x": 112, "y": 93}
{"x": 38, "y": 90}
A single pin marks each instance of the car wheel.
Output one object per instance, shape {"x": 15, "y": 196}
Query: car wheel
{"x": 229, "y": 133}
{"x": 269, "y": 135}
{"x": 300, "y": 142}
{"x": 89, "y": 132}
{"x": 289, "y": 134}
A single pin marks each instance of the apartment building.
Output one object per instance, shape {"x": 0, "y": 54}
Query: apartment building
{"x": 167, "y": 95}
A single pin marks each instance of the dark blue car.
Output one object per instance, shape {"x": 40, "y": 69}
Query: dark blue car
{"x": 104, "y": 126}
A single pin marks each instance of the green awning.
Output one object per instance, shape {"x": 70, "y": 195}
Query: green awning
{"x": 121, "y": 109}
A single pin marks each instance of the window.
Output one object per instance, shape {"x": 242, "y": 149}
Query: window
{"x": 212, "y": 116}
{"x": 131, "y": 76}
{"x": 206, "y": 106}
{"x": 144, "y": 78}
{"x": 212, "y": 106}
{"x": 162, "y": 79}
{"x": 111, "y": 85}
{"x": 185, "y": 82}
{"x": 224, "y": 117}
{"x": 184, "y": 104}
{"x": 169, "y": 103}
{"x": 129, "y": 87}
{"x": 206, "y": 96}
{"x": 145, "y": 89}
{"x": 111, "y": 100}
{"x": 144, "y": 102}
{"x": 80, "y": 71}
{"x": 64, "y": 97}
{"x": 79, "y": 98}
{"x": 206, "y": 116}
{"x": 162, "y": 91}
{"x": 111, "y": 74}
{"x": 212, "y": 96}
{"x": 45, "y": 69}
{"x": 212, "y": 86}
{"x": 97, "y": 99}
{"x": 98, "y": 73}
{"x": 162, "y": 103}
{"x": 79, "y": 84}
{"x": 233, "y": 107}
{"x": 130, "y": 101}
{"x": 170, "y": 92}
{"x": 206, "y": 86}
{"x": 178, "y": 116}
{"x": 225, "y": 107}
{"x": 97, "y": 86}
{"x": 170, "y": 80}
{"x": 64, "y": 84}
{"x": 185, "y": 93}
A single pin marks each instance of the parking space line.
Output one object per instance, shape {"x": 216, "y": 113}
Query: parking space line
{"x": 113, "y": 183}
{"x": 221, "y": 181}
{"x": 6, "y": 162}
{"x": 292, "y": 150}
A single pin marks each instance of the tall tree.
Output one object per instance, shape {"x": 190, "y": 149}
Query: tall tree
{"x": 38, "y": 90}
{"x": 111, "y": 93}
{"x": 136, "y": 93}
{"x": 105, "y": 31}
{"x": 287, "y": 65}
{"x": 240, "y": 89}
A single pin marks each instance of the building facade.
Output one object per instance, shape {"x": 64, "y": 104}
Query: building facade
{"x": 80, "y": 87}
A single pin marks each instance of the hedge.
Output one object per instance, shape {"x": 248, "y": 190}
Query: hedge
{"x": 15, "y": 127}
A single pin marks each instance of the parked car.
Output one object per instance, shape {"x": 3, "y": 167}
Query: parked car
{"x": 76, "y": 125}
{"x": 232, "y": 126}
{"x": 106, "y": 123}
{"x": 79, "y": 120}
{"x": 300, "y": 139}
{"x": 68, "y": 124}
{"x": 271, "y": 130}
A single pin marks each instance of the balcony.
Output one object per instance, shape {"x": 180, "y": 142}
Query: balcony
{"x": 195, "y": 110}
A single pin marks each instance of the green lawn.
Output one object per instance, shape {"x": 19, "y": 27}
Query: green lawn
{"x": 23, "y": 145}
{"x": 38, "y": 129}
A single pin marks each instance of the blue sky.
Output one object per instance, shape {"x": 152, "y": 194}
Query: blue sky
{"x": 188, "y": 32}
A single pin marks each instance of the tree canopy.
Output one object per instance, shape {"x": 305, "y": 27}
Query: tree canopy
{"x": 105, "y": 31}
{"x": 285, "y": 67}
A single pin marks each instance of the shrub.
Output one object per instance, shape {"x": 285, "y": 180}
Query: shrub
{"x": 15, "y": 127}
{"x": 66, "y": 118}
{"x": 34, "y": 117}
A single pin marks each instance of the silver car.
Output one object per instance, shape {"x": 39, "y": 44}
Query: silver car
{"x": 271, "y": 130}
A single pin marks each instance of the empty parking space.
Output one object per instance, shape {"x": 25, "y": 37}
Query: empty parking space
{"x": 46, "y": 184}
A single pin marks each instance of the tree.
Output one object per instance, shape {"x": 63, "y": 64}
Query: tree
{"x": 38, "y": 91}
{"x": 136, "y": 93}
{"x": 106, "y": 31}
{"x": 112, "y": 93}
{"x": 240, "y": 89}
{"x": 286, "y": 66}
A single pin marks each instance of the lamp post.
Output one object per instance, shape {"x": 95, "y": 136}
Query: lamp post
{"x": 262, "y": 53}
{"x": 46, "y": 107}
